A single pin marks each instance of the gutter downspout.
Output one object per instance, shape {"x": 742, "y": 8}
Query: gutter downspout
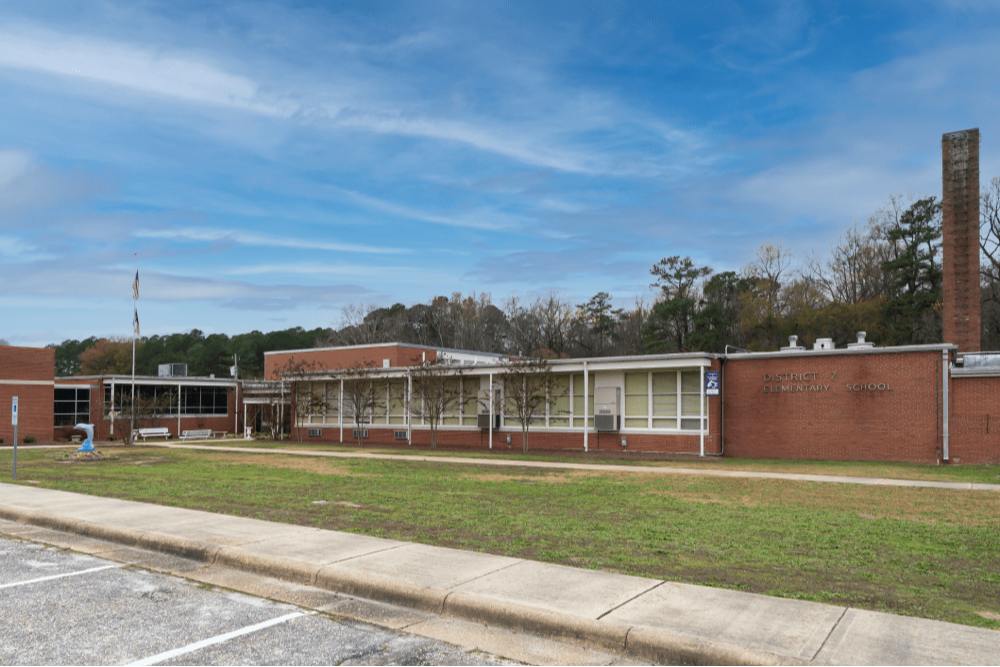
{"x": 586, "y": 400}
{"x": 944, "y": 402}
{"x": 491, "y": 410}
{"x": 409, "y": 403}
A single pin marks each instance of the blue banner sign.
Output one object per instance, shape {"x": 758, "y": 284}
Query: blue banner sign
{"x": 711, "y": 383}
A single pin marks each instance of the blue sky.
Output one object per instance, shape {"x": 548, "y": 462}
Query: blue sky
{"x": 267, "y": 163}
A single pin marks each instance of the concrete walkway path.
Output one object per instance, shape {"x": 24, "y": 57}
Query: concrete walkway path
{"x": 653, "y": 470}
{"x": 643, "y": 618}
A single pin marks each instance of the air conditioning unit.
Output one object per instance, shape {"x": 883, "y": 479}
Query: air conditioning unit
{"x": 172, "y": 370}
{"x": 314, "y": 432}
{"x": 484, "y": 422}
{"x": 606, "y": 413}
{"x": 360, "y": 433}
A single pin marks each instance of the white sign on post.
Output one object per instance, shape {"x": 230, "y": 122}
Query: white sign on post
{"x": 13, "y": 412}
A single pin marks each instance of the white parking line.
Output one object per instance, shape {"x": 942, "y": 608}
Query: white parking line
{"x": 58, "y": 576}
{"x": 168, "y": 655}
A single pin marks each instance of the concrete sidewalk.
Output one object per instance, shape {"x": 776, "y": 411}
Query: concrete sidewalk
{"x": 654, "y": 470}
{"x": 644, "y": 618}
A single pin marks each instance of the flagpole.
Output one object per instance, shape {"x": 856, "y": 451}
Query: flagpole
{"x": 135, "y": 297}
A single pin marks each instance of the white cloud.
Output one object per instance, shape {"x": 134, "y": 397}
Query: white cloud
{"x": 13, "y": 163}
{"x": 143, "y": 70}
{"x": 249, "y": 238}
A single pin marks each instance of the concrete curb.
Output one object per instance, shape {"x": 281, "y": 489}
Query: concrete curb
{"x": 586, "y": 632}
{"x": 665, "y": 648}
{"x": 382, "y": 588}
{"x": 638, "y": 641}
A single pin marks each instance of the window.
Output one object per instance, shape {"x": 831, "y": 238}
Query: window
{"x": 577, "y": 389}
{"x": 637, "y": 400}
{"x": 559, "y": 399}
{"x": 663, "y": 400}
{"x": 72, "y": 406}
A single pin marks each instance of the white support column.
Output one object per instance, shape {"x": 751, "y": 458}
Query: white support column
{"x": 340, "y": 411}
{"x": 701, "y": 409}
{"x": 944, "y": 410}
{"x": 586, "y": 400}
{"x": 491, "y": 410}
{"x": 409, "y": 416}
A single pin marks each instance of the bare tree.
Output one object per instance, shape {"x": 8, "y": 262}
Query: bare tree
{"x": 853, "y": 273}
{"x": 360, "y": 394}
{"x": 365, "y": 324}
{"x": 437, "y": 392}
{"x": 146, "y": 411}
{"x": 528, "y": 389}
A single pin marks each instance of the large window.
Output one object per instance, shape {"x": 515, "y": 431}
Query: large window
{"x": 170, "y": 400}
{"x": 663, "y": 400}
{"x": 72, "y": 406}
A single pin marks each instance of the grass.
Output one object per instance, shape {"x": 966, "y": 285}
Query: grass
{"x": 933, "y": 553}
{"x": 983, "y": 474}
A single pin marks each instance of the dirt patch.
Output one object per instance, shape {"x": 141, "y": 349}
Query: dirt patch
{"x": 310, "y": 464}
{"x": 146, "y": 462}
{"x": 544, "y": 478}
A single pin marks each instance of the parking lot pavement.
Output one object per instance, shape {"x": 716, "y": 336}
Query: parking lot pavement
{"x": 64, "y": 608}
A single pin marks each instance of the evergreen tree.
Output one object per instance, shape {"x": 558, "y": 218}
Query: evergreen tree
{"x": 913, "y": 313}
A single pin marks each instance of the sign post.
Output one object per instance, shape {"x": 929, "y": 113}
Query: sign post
{"x": 13, "y": 421}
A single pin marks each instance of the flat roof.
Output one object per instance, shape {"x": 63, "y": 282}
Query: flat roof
{"x": 377, "y": 345}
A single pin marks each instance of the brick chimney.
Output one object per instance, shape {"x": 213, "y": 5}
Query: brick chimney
{"x": 960, "y": 238}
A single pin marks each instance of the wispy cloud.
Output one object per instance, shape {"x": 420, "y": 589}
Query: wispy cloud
{"x": 250, "y": 238}
{"x": 143, "y": 70}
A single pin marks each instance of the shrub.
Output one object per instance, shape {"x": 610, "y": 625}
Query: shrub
{"x": 28, "y": 439}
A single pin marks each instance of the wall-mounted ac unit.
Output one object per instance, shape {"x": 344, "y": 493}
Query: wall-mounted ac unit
{"x": 484, "y": 421}
{"x": 606, "y": 413}
{"x": 360, "y": 433}
{"x": 315, "y": 432}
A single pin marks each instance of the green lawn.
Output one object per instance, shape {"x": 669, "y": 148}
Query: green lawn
{"x": 926, "y": 552}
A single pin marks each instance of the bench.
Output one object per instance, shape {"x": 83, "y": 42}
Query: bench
{"x": 199, "y": 434}
{"x": 219, "y": 434}
{"x": 145, "y": 433}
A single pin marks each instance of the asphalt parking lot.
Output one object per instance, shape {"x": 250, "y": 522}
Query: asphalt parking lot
{"x": 61, "y": 607}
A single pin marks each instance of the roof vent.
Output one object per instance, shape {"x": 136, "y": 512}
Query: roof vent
{"x": 824, "y": 344}
{"x": 861, "y": 342}
{"x": 793, "y": 345}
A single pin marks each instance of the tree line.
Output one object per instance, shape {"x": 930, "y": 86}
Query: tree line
{"x": 883, "y": 277}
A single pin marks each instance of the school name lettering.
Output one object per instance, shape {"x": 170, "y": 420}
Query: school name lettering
{"x": 794, "y": 383}
{"x": 803, "y": 382}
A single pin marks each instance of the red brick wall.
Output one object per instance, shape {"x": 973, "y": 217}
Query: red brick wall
{"x": 960, "y": 239}
{"x": 34, "y": 401}
{"x": 974, "y": 420}
{"x": 898, "y": 423}
{"x": 398, "y": 355}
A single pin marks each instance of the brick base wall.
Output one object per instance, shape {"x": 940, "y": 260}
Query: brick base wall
{"x": 974, "y": 420}
{"x": 838, "y": 407}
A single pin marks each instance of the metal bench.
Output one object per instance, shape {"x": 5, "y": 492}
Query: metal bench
{"x": 198, "y": 434}
{"x": 145, "y": 433}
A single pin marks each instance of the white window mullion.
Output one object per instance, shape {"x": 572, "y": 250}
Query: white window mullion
{"x": 649, "y": 399}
